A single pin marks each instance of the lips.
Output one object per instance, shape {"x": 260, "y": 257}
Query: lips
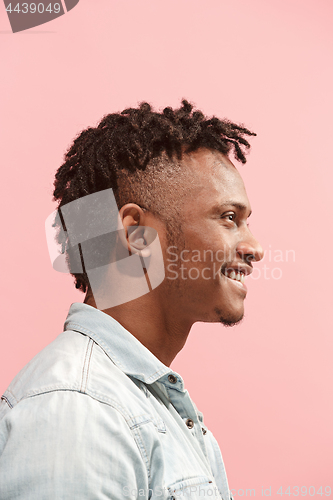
{"x": 236, "y": 273}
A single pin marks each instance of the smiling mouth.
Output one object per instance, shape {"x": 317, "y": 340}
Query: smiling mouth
{"x": 234, "y": 275}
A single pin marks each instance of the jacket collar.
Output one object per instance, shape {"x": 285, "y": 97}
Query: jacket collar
{"x": 125, "y": 350}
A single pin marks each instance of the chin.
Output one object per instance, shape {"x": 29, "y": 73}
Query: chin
{"x": 228, "y": 318}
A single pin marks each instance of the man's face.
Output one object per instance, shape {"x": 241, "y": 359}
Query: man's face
{"x": 207, "y": 264}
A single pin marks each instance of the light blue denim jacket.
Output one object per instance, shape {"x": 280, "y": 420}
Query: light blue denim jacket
{"x": 95, "y": 415}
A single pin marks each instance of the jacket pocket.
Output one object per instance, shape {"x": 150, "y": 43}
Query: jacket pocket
{"x": 195, "y": 488}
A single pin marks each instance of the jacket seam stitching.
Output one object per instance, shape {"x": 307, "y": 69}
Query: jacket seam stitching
{"x": 88, "y": 368}
{"x": 12, "y": 395}
{"x": 86, "y": 365}
{"x": 7, "y": 401}
{"x": 142, "y": 450}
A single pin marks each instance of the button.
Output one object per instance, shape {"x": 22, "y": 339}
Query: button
{"x": 190, "y": 424}
{"x": 172, "y": 379}
{"x": 203, "y": 431}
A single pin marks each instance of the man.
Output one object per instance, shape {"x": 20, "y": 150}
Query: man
{"x": 98, "y": 413}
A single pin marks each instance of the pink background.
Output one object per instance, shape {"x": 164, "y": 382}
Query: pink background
{"x": 265, "y": 387}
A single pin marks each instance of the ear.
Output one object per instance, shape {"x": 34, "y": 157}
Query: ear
{"x": 135, "y": 236}
{"x": 138, "y": 240}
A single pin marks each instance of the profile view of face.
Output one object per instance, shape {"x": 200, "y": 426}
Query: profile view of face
{"x": 208, "y": 261}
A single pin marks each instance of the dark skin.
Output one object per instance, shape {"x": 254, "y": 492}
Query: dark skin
{"x": 215, "y": 242}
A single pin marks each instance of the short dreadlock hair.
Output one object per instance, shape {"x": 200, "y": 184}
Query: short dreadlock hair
{"x": 131, "y": 150}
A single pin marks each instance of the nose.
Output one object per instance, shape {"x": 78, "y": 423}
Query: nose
{"x": 249, "y": 248}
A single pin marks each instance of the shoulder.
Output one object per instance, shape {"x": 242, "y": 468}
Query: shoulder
{"x": 56, "y": 367}
{"x": 74, "y": 363}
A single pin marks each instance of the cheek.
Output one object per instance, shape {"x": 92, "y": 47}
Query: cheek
{"x": 204, "y": 245}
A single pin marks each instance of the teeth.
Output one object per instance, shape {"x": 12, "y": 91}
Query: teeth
{"x": 237, "y": 276}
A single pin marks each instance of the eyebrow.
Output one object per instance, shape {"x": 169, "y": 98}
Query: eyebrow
{"x": 234, "y": 204}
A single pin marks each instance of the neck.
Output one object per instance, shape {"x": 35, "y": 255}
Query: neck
{"x": 159, "y": 326}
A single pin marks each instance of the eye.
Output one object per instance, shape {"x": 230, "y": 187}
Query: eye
{"x": 229, "y": 216}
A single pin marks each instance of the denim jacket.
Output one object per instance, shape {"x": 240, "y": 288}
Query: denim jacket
{"x": 95, "y": 415}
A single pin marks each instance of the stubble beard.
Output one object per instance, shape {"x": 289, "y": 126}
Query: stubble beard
{"x": 228, "y": 321}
